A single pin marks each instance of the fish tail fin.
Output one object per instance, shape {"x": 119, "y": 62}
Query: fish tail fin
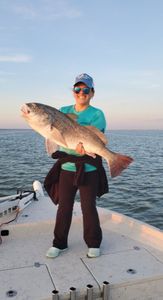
{"x": 117, "y": 163}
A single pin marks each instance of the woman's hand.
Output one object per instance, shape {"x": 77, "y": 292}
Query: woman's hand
{"x": 80, "y": 149}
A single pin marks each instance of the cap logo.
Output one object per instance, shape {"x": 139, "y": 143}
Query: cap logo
{"x": 84, "y": 75}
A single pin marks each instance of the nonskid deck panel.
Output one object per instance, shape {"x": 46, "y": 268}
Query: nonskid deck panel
{"x": 133, "y": 269}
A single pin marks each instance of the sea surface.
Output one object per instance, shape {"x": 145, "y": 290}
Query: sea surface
{"x": 137, "y": 192}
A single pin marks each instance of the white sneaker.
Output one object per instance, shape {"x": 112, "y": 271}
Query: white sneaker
{"x": 93, "y": 252}
{"x": 54, "y": 252}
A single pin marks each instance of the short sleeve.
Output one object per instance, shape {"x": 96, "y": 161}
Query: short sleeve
{"x": 99, "y": 121}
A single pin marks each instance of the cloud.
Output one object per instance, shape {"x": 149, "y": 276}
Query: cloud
{"x": 5, "y": 76}
{"x": 158, "y": 120}
{"x": 4, "y": 73}
{"x": 155, "y": 85}
{"x": 146, "y": 84}
{"x": 137, "y": 79}
{"x": 26, "y": 11}
{"x": 47, "y": 10}
{"x": 15, "y": 58}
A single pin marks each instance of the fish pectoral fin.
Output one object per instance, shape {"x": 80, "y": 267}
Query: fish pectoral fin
{"x": 98, "y": 133}
{"x": 57, "y": 137}
{"x": 50, "y": 146}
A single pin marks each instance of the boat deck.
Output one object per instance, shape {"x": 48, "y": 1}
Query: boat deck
{"x": 131, "y": 264}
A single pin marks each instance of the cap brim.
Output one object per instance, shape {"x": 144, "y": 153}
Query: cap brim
{"x": 85, "y": 82}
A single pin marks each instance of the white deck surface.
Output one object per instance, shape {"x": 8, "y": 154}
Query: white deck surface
{"x": 127, "y": 245}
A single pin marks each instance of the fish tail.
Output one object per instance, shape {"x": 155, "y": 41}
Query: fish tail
{"x": 117, "y": 163}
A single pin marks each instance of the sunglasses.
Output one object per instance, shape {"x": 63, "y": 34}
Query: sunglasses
{"x": 85, "y": 90}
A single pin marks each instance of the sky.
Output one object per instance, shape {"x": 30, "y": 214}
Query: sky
{"x": 45, "y": 44}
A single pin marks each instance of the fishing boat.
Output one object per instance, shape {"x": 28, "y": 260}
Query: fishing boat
{"x": 130, "y": 266}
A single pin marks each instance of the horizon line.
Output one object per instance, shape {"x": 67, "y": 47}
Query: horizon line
{"x": 111, "y": 129}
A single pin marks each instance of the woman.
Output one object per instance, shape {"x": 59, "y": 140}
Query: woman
{"x": 83, "y": 92}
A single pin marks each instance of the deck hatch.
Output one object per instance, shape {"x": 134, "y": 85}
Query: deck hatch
{"x": 28, "y": 283}
{"x": 145, "y": 267}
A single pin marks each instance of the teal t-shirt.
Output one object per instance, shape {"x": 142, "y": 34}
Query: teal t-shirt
{"x": 90, "y": 116}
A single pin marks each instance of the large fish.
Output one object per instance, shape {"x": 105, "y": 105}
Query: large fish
{"x": 64, "y": 131}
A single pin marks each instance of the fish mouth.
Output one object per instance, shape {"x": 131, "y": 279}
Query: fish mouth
{"x": 25, "y": 111}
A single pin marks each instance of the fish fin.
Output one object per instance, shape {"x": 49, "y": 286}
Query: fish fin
{"x": 72, "y": 116}
{"x": 100, "y": 134}
{"x": 57, "y": 137}
{"x": 117, "y": 163}
{"x": 50, "y": 146}
{"x": 91, "y": 154}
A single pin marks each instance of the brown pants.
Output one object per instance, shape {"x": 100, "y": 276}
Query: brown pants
{"x": 67, "y": 191}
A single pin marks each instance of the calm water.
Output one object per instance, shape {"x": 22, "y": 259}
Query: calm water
{"x": 138, "y": 192}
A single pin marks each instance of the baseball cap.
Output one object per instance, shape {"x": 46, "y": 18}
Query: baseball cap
{"x": 86, "y": 79}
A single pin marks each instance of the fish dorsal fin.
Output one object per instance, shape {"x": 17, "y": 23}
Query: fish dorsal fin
{"x": 98, "y": 133}
{"x": 72, "y": 116}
